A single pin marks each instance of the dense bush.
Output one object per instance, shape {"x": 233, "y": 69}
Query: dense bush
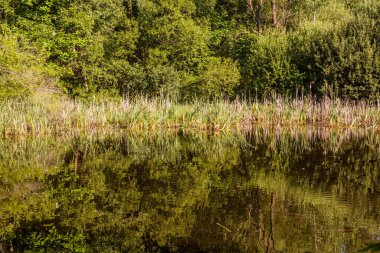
{"x": 21, "y": 68}
{"x": 192, "y": 48}
{"x": 266, "y": 65}
{"x": 343, "y": 61}
{"x": 217, "y": 78}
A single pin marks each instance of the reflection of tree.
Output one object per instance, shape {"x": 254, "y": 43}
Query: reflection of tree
{"x": 270, "y": 241}
{"x": 264, "y": 193}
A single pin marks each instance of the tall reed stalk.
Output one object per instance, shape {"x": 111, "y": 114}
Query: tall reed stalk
{"x": 60, "y": 116}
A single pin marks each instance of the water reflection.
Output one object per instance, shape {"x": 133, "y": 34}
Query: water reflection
{"x": 268, "y": 190}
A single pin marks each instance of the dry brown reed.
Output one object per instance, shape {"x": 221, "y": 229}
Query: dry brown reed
{"x": 61, "y": 116}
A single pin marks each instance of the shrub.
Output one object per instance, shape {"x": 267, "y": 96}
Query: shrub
{"x": 218, "y": 78}
{"x": 22, "y": 69}
{"x": 266, "y": 64}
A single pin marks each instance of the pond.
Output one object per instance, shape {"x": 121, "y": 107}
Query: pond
{"x": 265, "y": 190}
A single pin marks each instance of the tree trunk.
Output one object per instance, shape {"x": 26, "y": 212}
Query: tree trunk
{"x": 259, "y": 17}
{"x": 85, "y": 80}
{"x": 251, "y": 9}
{"x": 130, "y": 8}
{"x": 274, "y": 12}
{"x": 272, "y": 221}
{"x": 270, "y": 241}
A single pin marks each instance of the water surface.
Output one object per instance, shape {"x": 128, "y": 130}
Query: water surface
{"x": 269, "y": 190}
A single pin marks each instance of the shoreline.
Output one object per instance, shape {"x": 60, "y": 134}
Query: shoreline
{"x": 54, "y": 116}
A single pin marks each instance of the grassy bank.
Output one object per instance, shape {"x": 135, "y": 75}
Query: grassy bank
{"x": 60, "y": 116}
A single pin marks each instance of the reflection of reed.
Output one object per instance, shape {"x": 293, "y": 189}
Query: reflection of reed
{"x": 270, "y": 241}
{"x": 307, "y": 138}
{"x": 296, "y": 140}
{"x": 281, "y": 142}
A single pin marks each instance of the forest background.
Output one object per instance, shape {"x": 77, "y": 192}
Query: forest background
{"x": 190, "y": 49}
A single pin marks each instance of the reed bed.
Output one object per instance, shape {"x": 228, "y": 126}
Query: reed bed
{"x": 62, "y": 116}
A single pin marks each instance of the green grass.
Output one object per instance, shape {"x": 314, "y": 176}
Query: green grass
{"x": 61, "y": 116}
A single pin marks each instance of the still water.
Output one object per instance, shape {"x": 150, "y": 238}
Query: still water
{"x": 268, "y": 190}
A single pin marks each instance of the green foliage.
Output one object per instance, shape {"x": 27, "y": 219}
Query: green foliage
{"x": 218, "y": 78}
{"x": 90, "y": 37}
{"x": 342, "y": 62}
{"x": 174, "y": 48}
{"x": 53, "y": 240}
{"x": 266, "y": 65}
{"x": 21, "y": 67}
{"x": 134, "y": 80}
{"x": 170, "y": 36}
{"x": 374, "y": 247}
